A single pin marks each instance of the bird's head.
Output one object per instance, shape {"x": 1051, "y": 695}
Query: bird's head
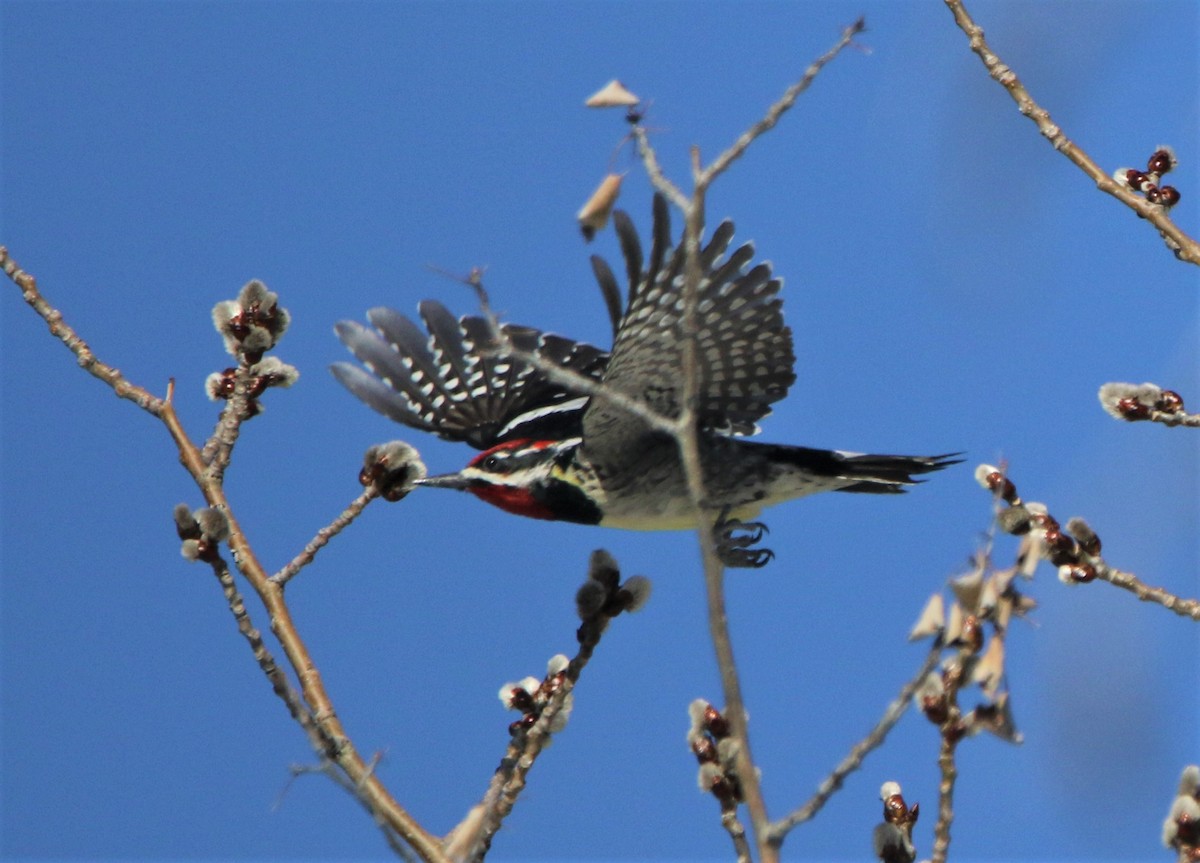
{"x": 524, "y": 477}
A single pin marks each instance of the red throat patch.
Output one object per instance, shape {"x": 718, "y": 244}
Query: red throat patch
{"x": 512, "y": 499}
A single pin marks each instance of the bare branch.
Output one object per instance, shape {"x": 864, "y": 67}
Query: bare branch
{"x": 741, "y": 845}
{"x": 951, "y": 731}
{"x": 219, "y": 448}
{"x": 777, "y": 110}
{"x": 654, "y": 171}
{"x": 323, "y": 536}
{"x": 853, "y": 761}
{"x": 62, "y": 331}
{"x": 1184, "y": 247}
{"x": 279, "y": 681}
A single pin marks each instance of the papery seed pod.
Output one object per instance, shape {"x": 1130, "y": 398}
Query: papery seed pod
{"x": 932, "y": 620}
{"x": 612, "y": 95}
{"x": 593, "y": 216}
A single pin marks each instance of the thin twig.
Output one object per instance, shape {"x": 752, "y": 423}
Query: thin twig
{"x": 1147, "y": 593}
{"x": 951, "y": 733}
{"x": 722, "y": 162}
{"x": 654, "y": 171}
{"x": 62, "y": 331}
{"x": 1184, "y": 247}
{"x": 741, "y": 845}
{"x": 219, "y": 448}
{"x": 279, "y": 681}
{"x": 1175, "y": 419}
{"x": 330, "y": 770}
{"x": 325, "y": 534}
{"x": 853, "y": 761}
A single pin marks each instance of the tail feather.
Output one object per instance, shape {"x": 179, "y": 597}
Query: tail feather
{"x": 869, "y": 474}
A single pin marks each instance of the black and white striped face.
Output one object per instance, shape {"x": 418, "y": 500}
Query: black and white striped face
{"x": 533, "y": 478}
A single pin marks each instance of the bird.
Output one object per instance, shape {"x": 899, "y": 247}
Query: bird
{"x": 581, "y": 447}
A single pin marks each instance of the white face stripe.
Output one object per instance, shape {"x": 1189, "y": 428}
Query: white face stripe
{"x": 526, "y": 460}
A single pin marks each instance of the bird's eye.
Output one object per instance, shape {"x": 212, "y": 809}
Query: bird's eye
{"x": 492, "y": 462}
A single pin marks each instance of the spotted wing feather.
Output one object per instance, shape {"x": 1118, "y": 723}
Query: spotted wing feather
{"x": 744, "y": 349}
{"x": 445, "y": 378}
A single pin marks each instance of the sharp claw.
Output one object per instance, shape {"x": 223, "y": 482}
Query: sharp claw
{"x": 734, "y": 537}
{"x": 737, "y": 558}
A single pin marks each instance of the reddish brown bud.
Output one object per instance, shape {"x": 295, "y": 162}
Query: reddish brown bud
{"x": 521, "y": 700}
{"x": 1082, "y": 573}
{"x": 704, "y": 749}
{"x": 1169, "y": 402}
{"x": 954, "y": 733}
{"x": 895, "y": 810}
{"x": 1153, "y": 195}
{"x": 935, "y": 708}
{"x": 1168, "y": 196}
{"x": 1132, "y": 409}
{"x": 1136, "y": 179}
{"x": 1002, "y": 485}
{"x": 715, "y": 722}
{"x": 223, "y": 387}
{"x": 206, "y": 550}
{"x": 972, "y": 633}
{"x": 726, "y": 792}
{"x": 1045, "y": 521}
{"x": 1160, "y": 162}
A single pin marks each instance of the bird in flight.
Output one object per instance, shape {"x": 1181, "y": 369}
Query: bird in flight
{"x": 555, "y": 449}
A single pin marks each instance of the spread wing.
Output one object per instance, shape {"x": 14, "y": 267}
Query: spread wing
{"x": 448, "y": 380}
{"x": 744, "y": 349}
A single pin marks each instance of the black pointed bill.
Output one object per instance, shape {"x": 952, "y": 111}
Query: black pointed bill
{"x": 446, "y": 480}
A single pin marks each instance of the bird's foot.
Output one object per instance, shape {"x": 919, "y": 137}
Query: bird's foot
{"x": 734, "y": 538}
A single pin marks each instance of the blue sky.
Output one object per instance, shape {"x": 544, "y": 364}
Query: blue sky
{"x": 952, "y": 283}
